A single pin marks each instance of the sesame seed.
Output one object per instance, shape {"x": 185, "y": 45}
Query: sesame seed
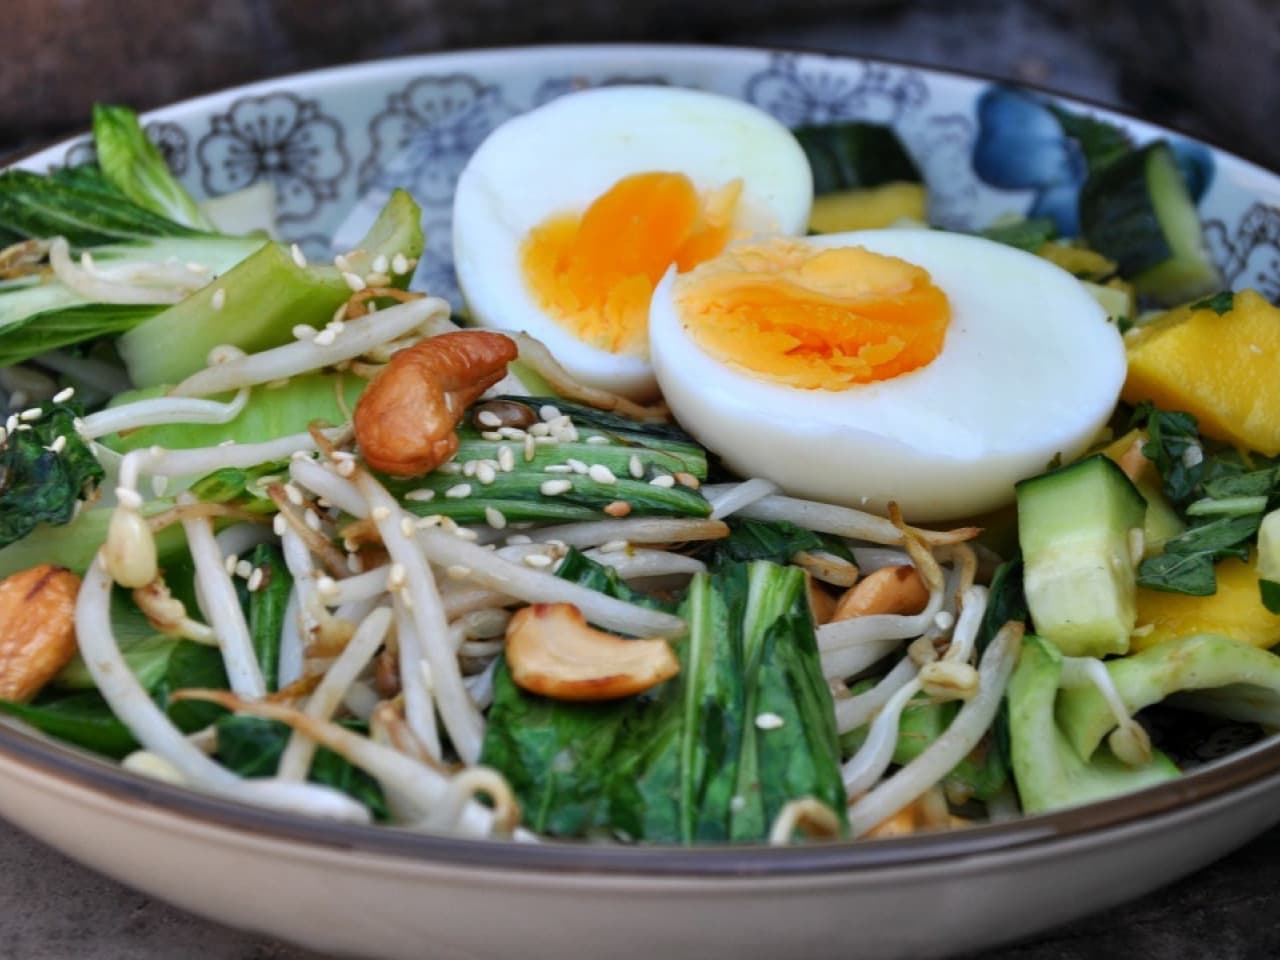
{"x": 664, "y": 480}
{"x": 399, "y": 264}
{"x": 560, "y": 422}
{"x": 353, "y": 281}
{"x": 547, "y": 413}
{"x": 518, "y": 539}
{"x": 255, "y": 579}
{"x": 469, "y": 468}
{"x": 618, "y": 508}
{"x": 379, "y": 264}
{"x": 530, "y": 448}
{"x": 243, "y": 569}
{"x": 487, "y": 418}
{"x": 557, "y": 468}
{"x": 406, "y": 526}
{"x": 598, "y": 440}
{"x": 449, "y": 524}
{"x": 30, "y": 415}
{"x": 59, "y": 444}
{"x": 635, "y": 467}
{"x": 450, "y": 468}
{"x": 539, "y": 430}
{"x": 295, "y": 251}
{"x": 551, "y": 488}
{"x": 512, "y": 433}
{"x": 601, "y": 474}
{"x": 396, "y": 576}
{"x": 219, "y": 298}
{"x": 278, "y": 525}
{"x": 577, "y": 466}
{"x": 768, "y": 721}
{"x": 342, "y": 263}
{"x": 312, "y": 519}
{"x": 11, "y": 424}
{"x": 294, "y": 494}
{"x": 346, "y": 468}
{"x": 375, "y": 279}
{"x": 687, "y": 480}
{"x": 457, "y": 571}
{"x": 613, "y": 546}
{"x": 325, "y": 338}
{"x": 380, "y": 513}
{"x": 944, "y": 620}
{"x": 63, "y": 395}
{"x": 494, "y": 518}
{"x": 537, "y": 560}
{"x": 420, "y": 496}
{"x": 326, "y": 586}
{"x": 458, "y": 491}
{"x": 465, "y": 533}
{"x": 229, "y": 562}
{"x": 506, "y": 459}
{"x": 486, "y": 474}
{"x": 354, "y": 563}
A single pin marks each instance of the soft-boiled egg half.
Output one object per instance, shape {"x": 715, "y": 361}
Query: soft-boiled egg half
{"x": 567, "y": 217}
{"x": 930, "y": 369}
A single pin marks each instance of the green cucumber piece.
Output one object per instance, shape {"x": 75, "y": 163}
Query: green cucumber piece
{"x": 846, "y": 156}
{"x": 1074, "y": 526}
{"x": 1138, "y": 212}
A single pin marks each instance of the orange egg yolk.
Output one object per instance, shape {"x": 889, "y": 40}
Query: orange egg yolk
{"x": 813, "y": 318}
{"x": 595, "y": 272}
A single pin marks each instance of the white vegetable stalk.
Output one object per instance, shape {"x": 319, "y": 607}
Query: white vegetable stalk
{"x": 965, "y": 634}
{"x": 636, "y": 563}
{"x": 161, "y": 462}
{"x": 222, "y": 608}
{"x": 593, "y": 533}
{"x": 100, "y": 289}
{"x": 853, "y": 712}
{"x": 459, "y": 715}
{"x": 295, "y": 762}
{"x": 940, "y": 757}
{"x": 419, "y": 703}
{"x": 427, "y": 316}
{"x": 848, "y": 646}
{"x": 292, "y": 660}
{"x": 161, "y": 410}
{"x": 840, "y": 521}
{"x": 867, "y": 766}
{"x": 737, "y": 496}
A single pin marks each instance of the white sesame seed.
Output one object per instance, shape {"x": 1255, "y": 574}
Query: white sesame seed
{"x": 11, "y": 424}
{"x": 458, "y": 491}
{"x": 537, "y": 560}
{"x": 544, "y": 440}
{"x": 635, "y": 467}
{"x": 229, "y": 562}
{"x": 506, "y": 459}
{"x": 449, "y": 524}
{"x": 518, "y": 539}
{"x": 399, "y": 264}
{"x": 312, "y": 519}
{"x": 530, "y": 448}
{"x": 486, "y": 474}
{"x": 342, "y": 263}
{"x": 601, "y": 474}
{"x": 406, "y": 526}
{"x": 613, "y": 546}
{"x": 375, "y": 279}
{"x": 219, "y": 298}
{"x": 547, "y": 413}
{"x": 396, "y": 576}
{"x": 457, "y": 571}
{"x": 278, "y": 525}
{"x": 30, "y": 415}
{"x": 354, "y": 563}
{"x": 944, "y": 619}
{"x": 63, "y": 395}
{"x": 494, "y": 518}
{"x": 551, "y": 488}
{"x": 451, "y": 468}
{"x": 577, "y": 466}
{"x": 243, "y": 569}
{"x": 598, "y": 440}
{"x": 299, "y": 258}
{"x": 380, "y": 513}
{"x": 294, "y": 494}
{"x": 768, "y": 721}
{"x": 539, "y": 430}
{"x": 487, "y": 418}
{"x": 345, "y": 468}
{"x": 325, "y": 338}
{"x": 557, "y": 468}
{"x": 59, "y": 444}
{"x": 353, "y": 281}
{"x": 379, "y": 264}
{"x": 255, "y": 579}
{"x": 326, "y": 587}
{"x": 469, "y": 468}
{"x": 465, "y": 533}
{"x": 664, "y": 480}
{"x": 565, "y": 435}
{"x": 420, "y": 496}
{"x": 512, "y": 433}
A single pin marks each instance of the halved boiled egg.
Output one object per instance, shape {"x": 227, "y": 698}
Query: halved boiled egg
{"x": 927, "y": 368}
{"x": 567, "y": 217}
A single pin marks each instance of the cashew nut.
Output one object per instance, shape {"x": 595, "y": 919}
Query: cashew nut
{"x": 405, "y": 419}
{"x": 552, "y": 651}
{"x": 896, "y": 589}
{"x": 37, "y": 628}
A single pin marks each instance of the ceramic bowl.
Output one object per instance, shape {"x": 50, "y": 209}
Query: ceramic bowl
{"x": 327, "y": 139}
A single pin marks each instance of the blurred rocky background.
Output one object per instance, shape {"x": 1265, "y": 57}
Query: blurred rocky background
{"x": 1207, "y": 66}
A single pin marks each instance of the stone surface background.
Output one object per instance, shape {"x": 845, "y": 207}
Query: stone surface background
{"x": 1207, "y": 66}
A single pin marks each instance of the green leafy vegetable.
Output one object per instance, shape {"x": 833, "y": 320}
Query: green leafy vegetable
{"x": 243, "y": 487}
{"x": 776, "y": 541}
{"x": 40, "y": 483}
{"x": 1100, "y": 142}
{"x": 83, "y": 719}
{"x": 1173, "y": 445}
{"x": 266, "y": 609}
{"x": 32, "y": 334}
{"x": 136, "y": 168}
{"x": 1029, "y": 234}
{"x": 1186, "y": 565}
{"x": 1219, "y": 303}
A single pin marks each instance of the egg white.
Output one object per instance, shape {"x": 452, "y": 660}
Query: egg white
{"x": 1030, "y": 369}
{"x": 562, "y": 156}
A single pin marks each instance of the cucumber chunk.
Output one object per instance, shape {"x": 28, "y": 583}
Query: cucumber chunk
{"x": 1075, "y": 527}
{"x": 1137, "y": 211}
{"x": 848, "y": 156}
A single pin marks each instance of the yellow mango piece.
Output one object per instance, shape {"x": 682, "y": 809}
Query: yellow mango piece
{"x": 1222, "y": 369}
{"x": 1078, "y": 261}
{"x": 1235, "y": 611}
{"x": 868, "y": 208}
